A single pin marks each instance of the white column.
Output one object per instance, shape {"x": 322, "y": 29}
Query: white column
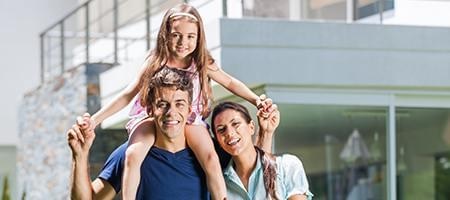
{"x": 295, "y": 9}
{"x": 391, "y": 153}
{"x": 350, "y": 11}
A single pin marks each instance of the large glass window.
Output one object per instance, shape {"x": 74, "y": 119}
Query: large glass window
{"x": 342, "y": 148}
{"x": 366, "y": 8}
{"x": 423, "y": 153}
{"x": 328, "y": 10}
{"x": 325, "y": 10}
{"x": 266, "y": 9}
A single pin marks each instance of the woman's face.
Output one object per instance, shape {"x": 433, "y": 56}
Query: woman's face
{"x": 233, "y": 133}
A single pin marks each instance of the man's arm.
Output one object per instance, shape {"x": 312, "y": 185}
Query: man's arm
{"x": 267, "y": 126}
{"x": 102, "y": 189}
{"x": 82, "y": 188}
{"x": 81, "y": 183}
{"x": 80, "y": 138}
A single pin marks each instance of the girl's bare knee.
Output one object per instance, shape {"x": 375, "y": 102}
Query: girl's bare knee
{"x": 212, "y": 159}
{"x": 133, "y": 156}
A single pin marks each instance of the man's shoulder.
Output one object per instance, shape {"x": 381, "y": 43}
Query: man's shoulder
{"x": 118, "y": 154}
{"x": 121, "y": 149}
{"x": 112, "y": 169}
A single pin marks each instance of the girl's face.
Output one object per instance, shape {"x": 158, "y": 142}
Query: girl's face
{"x": 233, "y": 133}
{"x": 182, "y": 38}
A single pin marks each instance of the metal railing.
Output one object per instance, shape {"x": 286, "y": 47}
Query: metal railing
{"x": 73, "y": 39}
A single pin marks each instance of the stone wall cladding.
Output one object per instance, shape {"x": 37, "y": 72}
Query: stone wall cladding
{"x": 45, "y": 114}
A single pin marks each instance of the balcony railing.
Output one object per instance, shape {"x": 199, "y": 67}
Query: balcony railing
{"x": 95, "y": 33}
{"x": 104, "y": 31}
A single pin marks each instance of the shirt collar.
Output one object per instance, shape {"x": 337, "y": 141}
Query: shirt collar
{"x": 229, "y": 170}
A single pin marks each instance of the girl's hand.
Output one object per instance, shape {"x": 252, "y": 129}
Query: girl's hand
{"x": 86, "y": 122}
{"x": 268, "y": 121}
{"x": 81, "y": 136}
{"x": 264, "y": 106}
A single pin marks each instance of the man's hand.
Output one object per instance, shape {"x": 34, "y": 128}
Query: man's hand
{"x": 81, "y": 136}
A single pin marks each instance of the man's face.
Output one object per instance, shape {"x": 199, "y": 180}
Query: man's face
{"x": 170, "y": 111}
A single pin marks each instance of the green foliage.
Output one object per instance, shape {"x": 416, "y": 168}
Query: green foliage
{"x": 6, "y": 194}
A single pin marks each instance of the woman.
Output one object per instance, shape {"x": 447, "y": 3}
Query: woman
{"x": 253, "y": 173}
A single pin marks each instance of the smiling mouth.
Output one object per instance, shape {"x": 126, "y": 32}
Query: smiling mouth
{"x": 234, "y": 141}
{"x": 171, "y": 122}
{"x": 181, "y": 48}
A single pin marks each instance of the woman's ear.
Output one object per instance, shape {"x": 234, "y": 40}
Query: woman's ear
{"x": 252, "y": 127}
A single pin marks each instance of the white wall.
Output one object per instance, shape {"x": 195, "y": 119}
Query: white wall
{"x": 421, "y": 12}
{"x": 336, "y": 54}
{"x": 21, "y": 22}
{"x": 416, "y": 13}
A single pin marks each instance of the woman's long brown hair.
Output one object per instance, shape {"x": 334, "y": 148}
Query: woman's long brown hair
{"x": 159, "y": 56}
{"x": 267, "y": 159}
{"x": 269, "y": 172}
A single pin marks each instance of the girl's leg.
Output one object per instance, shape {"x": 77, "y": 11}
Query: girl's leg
{"x": 141, "y": 140}
{"x": 200, "y": 142}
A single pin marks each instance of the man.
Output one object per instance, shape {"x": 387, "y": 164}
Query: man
{"x": 169, "y": 171}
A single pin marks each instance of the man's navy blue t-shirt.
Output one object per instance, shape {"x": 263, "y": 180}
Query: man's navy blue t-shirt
{"x": 164, "y": 175}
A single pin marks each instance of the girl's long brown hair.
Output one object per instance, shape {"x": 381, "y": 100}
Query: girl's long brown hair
{"x": 159, "y": 56}
{"x": 267, "y": 159}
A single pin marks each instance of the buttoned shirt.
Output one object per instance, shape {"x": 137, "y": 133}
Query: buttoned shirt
{"x": 291, "y": 180}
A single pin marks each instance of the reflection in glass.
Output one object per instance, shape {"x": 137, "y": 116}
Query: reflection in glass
{"x": 375, "y": 149}
{"x": 333, "y": 10}
{"x": 366, "y": 8}
{"x": 422, "y": 153}
{"x": 320, "y": 134}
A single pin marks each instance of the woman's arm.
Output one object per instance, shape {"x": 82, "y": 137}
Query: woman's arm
{"x": 121, "y": 100}
{"x": 232, "y": 84}
{"x": 267, "y": 126}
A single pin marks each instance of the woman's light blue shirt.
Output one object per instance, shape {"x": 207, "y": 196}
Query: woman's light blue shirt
{"x": 291, "y": 180}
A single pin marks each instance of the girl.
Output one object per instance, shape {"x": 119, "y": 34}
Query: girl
{"x": 180, "y": 44}
{"x": 260, "y": 174}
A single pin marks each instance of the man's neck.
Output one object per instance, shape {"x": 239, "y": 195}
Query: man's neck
{"x": 170, "y": 144}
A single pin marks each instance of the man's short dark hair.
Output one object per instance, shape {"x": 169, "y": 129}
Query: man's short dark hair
{"x": 169, "y": 78}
